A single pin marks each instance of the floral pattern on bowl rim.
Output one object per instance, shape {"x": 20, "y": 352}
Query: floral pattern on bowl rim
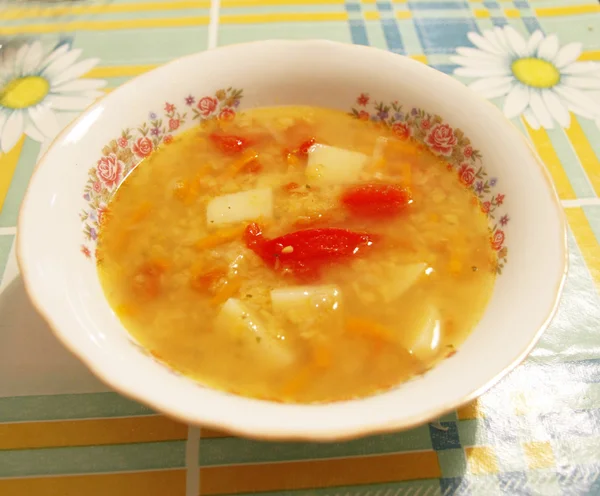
{"x": 454, "y": 147}
{"x": 123, "y": 154}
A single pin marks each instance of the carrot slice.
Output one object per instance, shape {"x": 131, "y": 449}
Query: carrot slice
{"x": 248, "y": 156}
{"x": 369, "y": 329}
{"x": 203, "y": 281}
{"x": 229, "y": 289}
{"x": 220, "y": 237}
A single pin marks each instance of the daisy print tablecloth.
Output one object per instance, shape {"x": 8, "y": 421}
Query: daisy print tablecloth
{"x": 63, "y": 433}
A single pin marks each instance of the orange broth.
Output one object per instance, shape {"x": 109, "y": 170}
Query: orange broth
{"x": 344, "y": 269}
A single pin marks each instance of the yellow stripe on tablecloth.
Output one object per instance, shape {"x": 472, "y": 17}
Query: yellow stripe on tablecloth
{"x": 265, "y": 3}
{"x": 481, "y": 13}
{"x": 567, "y": 10}
{"x": 590, "y": 55}
{"x": 372, "y": 15}
{"x": 319, "y": 473}
{"x": 544, "y": 147}
{"x": 283, "y": 17}
{"x": 103, "y": 72}
{"x": 419, "y": 58}
{"x": 8, "y": 165}
{"x": 90, "y": 432}
{"x": 470, "y": 411}
{"x": 60, "y": 27}
{"x": 155, "y": 483}
{"x": 16, "y": 13}
{"x": 586, "y": 154}
{"x": 586, "y": 240}
{"x": 512, "y": 13}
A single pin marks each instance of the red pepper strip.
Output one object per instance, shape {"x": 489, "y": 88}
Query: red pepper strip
{"x": 376, "y": 200}
{"x": 228, "y": 144}
{"x": 304, "y": 253}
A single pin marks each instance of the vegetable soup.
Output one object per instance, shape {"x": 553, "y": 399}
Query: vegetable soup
{"x": 296, "y": 254}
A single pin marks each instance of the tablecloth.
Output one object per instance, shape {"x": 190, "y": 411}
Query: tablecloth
{"x": 64, "y": 433}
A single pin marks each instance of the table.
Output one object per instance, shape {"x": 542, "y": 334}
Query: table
{"x": 536, "y": 433}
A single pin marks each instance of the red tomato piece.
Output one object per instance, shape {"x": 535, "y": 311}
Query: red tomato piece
{"x": 229, "y": 144}
{"x": 376, "y": 200}
{"x": 304, "y": 147}
{"x": 304, "y": 253}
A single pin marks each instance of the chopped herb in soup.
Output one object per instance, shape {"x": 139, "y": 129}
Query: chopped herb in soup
{"x": 296, "y": 254}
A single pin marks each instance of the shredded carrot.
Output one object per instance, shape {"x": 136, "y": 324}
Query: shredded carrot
{"x": 219, "y": 237}
{"x": 188, "y": 190}
{"x": 312, "y": 220}
{"x": 248, "y": 156}
{"x": 368, "y": 329}
{"x": 203, "y": 281}
{"x": 292, "y": 160}
{"x": 229, "y": 289}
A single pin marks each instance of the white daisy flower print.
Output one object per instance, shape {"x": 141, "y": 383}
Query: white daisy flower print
{"x": 35, "y": 83}
{"x": 538, "y": 78}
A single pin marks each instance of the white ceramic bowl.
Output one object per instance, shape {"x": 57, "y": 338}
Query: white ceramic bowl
{"x": 68, "y": 191}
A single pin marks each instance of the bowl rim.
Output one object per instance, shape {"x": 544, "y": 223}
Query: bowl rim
{"x": 296, "y": 434}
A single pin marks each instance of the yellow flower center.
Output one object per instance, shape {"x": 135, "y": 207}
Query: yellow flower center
{"x": 536, "y": 73}
{"x": 24, "y": 92}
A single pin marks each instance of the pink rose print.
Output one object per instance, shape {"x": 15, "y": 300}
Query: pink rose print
{"x": 468, "y": 151}
{"x": 499, "y": 199}
{"x": 123, "y": 142}
{"x": 497, "y": 240}
{"x": 143, "y": 147}
{"x": 485, "y": 207}
{"x": 168, "y": 138}
{"x": 227, "y": 114}
{"x": 207, "y": 105}
{"x": 401, "y": 130}
{"x": 425, "y": 124}
{"x": 466, "y": 175}
{"x": 441, "y": 139}
{"x": 173, "y": 124}
{"x": 97, "y": 187}
{"x": 109, "y": 170}
{"x": 169, "y": 107}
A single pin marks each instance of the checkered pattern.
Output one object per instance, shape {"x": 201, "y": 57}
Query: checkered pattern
{"x": 536, "y": 433}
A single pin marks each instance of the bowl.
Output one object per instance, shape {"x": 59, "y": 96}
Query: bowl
{"x": 67, "y": 195}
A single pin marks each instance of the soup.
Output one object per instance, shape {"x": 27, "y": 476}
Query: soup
{"x": 296, "y": 254}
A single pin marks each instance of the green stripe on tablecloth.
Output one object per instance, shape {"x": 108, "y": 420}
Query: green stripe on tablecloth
{"x": 238, "y": 33}
{"x": 593, "y": 215}
{"x": 68, "y": 407}
{"x": 231, "y": 450}
{"x": 88, "y": 459}
{"x": 570, "y": 163}
{"x": 152, "y": 46}
{"x": 6, "y": 242}
{"x": 100, "y": 17}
